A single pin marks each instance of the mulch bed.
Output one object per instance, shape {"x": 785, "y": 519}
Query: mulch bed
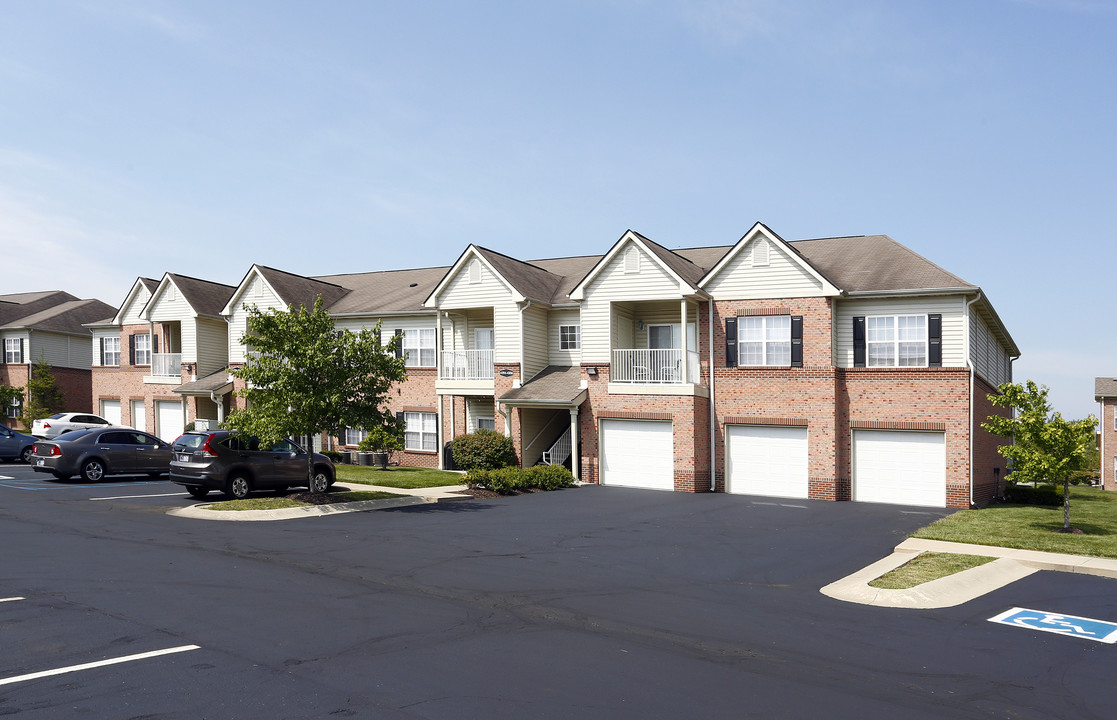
{"x": 483, "y": 493}
{"x": 326, "y": 498}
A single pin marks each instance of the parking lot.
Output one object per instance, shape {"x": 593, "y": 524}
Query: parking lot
{"x": 592, "y": 602}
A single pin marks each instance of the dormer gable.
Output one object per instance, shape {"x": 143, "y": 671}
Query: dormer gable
{"x": 473, "y": 268}
{"x": 131, "y": 310}
{"x": 635, "y": 255}
{"x": 762, "y": 264}
{"x": 180, "y": 296}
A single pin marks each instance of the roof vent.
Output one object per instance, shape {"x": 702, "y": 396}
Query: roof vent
{"x": 413, "y": 285}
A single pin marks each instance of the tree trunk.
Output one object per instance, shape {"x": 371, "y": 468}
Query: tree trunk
{"x": 310, "y": 466}
{"x": 1066, "y": 504}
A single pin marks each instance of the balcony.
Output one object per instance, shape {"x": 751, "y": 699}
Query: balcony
{"x": 654, "y": 367}
{"x": 166, "y": 365}
{"x": 467, "y": 365}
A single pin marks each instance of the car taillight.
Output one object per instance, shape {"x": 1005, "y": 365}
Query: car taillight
{"x": 207, "y": 451}
{"x": 46, "y": 425}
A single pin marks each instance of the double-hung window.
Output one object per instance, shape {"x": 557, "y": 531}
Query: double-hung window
{"x": 13, "y": 351}
{"x": 354, "y": 436}
{"x": 142, "y": 347}
{"x": 110, "y": 351}
{"x": 764, "y": 340}
{"x": 570, "y": 337}
{"x": 420, "y": 431}
{"x": 418, "y": 347}
{"x": 15, "y": 408}
{"x": 896, "y": 341}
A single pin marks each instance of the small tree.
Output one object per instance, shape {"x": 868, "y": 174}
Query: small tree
{"x": 304, "y": 376}
{"x": 386, "y": 439}
{"x": 44, "y": 398}
{"x": 1045, "y": 447}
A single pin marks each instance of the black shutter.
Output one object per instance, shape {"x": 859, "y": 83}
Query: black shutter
{"x": 379, "y": 339}
{"x": 934, "y": 340}
{"x": 796, "y": 341}
{"x": 859, "y": 342}
{"x": 154, "y": 343}
{"x": 131, "y": 349}
{"x": 731, "y": 342}
{"x": 102, "y": 343}
{"x": 22, "y": 350}
{"x": 399, "y": 347}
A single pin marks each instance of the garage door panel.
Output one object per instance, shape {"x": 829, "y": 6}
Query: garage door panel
{"x": 110, "y": 410}
{"x": 168, "y": 416}
{"x": 767, "y": 460}
{"x": 637, "y": 453}
{"x": 904, "y": 468}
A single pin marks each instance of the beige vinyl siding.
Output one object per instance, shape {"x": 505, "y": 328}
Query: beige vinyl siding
{"x": 478, "y": 407}
{"x": 17, "y": 335}
{"x": 557, "y": 318}
{"x": 535, "y": 341}
{"x": 131, "y": 314}
{"x": 459, "y": 328}
{"x": 600, "y": 324}
{"x": 255, "y": 293}
{"x": 95, "y": 349}
{"x": 68, "y": 351}
{"x": 950, "y": 307}
{"x": 783, "y": 277}
{"x": 212, "y": 345}
{"x": 658, "y": 313}
{"x": 490, "y": 292}
{"x": 170, "y": 306}
{"x": 989, "y": 358}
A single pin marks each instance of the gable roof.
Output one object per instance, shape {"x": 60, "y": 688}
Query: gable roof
{"x": 141, "y": 283}
{"x": 759, "y": 229}
{"x": 69, "y": 317}
{"x": 205, "y": 297}
{"x": 17, "y": 305}
{"x": 685, "y": 271}
{"x": 385, "y": 291}
{"x": 1105, "y": 387}
{"x": 876, "y": 263}
{"x": 530, "y": 281}
{"x": 300, "y": 290}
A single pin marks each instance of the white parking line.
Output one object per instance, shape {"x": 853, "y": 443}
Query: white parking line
{"x": 11, "y": 599}
{"x": 99, "y": 663}
{"x": 130, "y": 497}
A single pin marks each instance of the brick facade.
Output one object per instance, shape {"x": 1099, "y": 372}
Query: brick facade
{"x": 1108, "y": 443}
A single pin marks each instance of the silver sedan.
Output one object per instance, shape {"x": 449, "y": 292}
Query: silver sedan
{"x": 97, "y": 453}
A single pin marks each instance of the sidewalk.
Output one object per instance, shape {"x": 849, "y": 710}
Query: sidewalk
{"x": 418, "y": 496}
{"x": 1011, "y": 565}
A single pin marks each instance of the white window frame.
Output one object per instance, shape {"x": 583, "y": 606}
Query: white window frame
{"x": 417, "y": 341}
{"x": 420, "y": 431}
{"x": 570, "y": 337}
{"x": 107, "y": 353}
{"x": 143, "y": 354}
{"x": 485, "y": 423}
{"x": 770, "y": 334}
{"x": 354, "y": 436}
{"x": 13, "y": 356}
{"x": 890, "y": 349}
{"x": 15, "y": 407}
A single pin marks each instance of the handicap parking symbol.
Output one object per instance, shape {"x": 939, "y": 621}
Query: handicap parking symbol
{"x": 1072, "y": 625}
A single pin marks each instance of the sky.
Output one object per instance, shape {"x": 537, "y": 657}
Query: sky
{"x": 141, "y": 137}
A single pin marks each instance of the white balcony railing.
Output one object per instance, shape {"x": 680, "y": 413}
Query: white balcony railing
{"x": 467, "y": 365}
{"x": 653, "y": 367}
{"x": 166, "y": 364}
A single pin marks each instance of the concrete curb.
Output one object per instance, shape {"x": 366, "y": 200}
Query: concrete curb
{"x": 1011, "y": 565}
{"x": 423, "y": 496}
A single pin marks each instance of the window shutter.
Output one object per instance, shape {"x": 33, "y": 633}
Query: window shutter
{"x": 22, "y": 350}
{"x": 131, "y": 349}
{"x": 859, "y": 342}
{"x": 154, "y": 343}
{"x": 400, "y": 420}
{"x": 731, "y": 342}
{"x": 796, "y": 341}
{"x": 399, "y": 347}
{"x": 379, "y": 339}
{"x": 102, "y": 342}
{"x": 934, "y": 340}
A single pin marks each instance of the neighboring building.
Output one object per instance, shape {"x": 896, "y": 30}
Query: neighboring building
{"x": 48, "y": 326}
{"x": 155, "y": 362}
{"x": 1105, "y": 392}
{"x": 842, "y": 368}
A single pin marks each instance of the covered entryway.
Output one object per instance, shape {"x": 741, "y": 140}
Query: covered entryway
{"x": 168, "y": 419}
{"x": 637, "y": 453}
{"x": 900, "y": 467}
{"x": 766, "y": 460}
{"x": 110, "y": 410}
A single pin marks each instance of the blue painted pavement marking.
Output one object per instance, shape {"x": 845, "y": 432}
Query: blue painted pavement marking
{"x": 1072, "y": 625}
{"x": 44, "y": 484}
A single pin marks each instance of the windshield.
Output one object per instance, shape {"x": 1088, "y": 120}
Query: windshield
{"x": 190, "y": 442}
{"x": 57, "y": 416}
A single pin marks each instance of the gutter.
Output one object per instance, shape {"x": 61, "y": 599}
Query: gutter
{"x": 713, "y": 416}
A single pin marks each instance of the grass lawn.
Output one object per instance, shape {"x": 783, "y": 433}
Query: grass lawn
{"x": 406, "y": 478}
{"x": 926, "y": 567}
{"x": 277, "y": 503}
{"x": 1032, "y": 527}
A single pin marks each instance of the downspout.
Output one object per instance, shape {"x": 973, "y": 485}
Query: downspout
{"x": 527, "y": 304}
{"x": 713, "y": 418}
{"x": 968, "y": 305}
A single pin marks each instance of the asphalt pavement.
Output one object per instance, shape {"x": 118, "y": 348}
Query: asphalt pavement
{"x": 591, "y": 603}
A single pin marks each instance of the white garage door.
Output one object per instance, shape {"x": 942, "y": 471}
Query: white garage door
{"x": 168, "y": 419}
{"x": 637, "y": 453}
{"x": 905, "y": 468}
{"x": 110, "y": 410}
{"x": 767, "y": 460}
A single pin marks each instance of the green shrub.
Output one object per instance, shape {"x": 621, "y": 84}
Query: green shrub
{"x": 483, "y": 450}
{"x": 549, "y": 477}
{"x": 1040, "y": 495}
{"x": 512, "y": 479}
{"x": 332, "y": 455}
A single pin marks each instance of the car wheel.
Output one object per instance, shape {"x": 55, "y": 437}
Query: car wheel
{"x": 198, "y": 492}
{"x": 237, "y": 488}
{"x": 92, "y": 470}
{"x": 319, "y": 481}
{"x": 25, "y": 455}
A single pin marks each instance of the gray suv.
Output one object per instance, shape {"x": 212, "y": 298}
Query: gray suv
{"x": 237, "y": 464}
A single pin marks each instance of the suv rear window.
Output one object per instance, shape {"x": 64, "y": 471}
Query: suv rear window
{"x": 190, "y": 442}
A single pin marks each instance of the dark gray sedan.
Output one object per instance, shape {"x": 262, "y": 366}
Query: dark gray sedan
{"x": 14, "y": 444}
{"x": 96, "y": 453}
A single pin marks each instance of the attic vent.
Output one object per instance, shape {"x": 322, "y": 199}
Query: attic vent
{"x": 760, "y": 253}
{"x": 475, "y": 272}
{"x": 631, "y": 261}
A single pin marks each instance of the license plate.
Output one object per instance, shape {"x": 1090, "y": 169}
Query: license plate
{"x": 184, "y": 458}
{"x": 39, "y": 463}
